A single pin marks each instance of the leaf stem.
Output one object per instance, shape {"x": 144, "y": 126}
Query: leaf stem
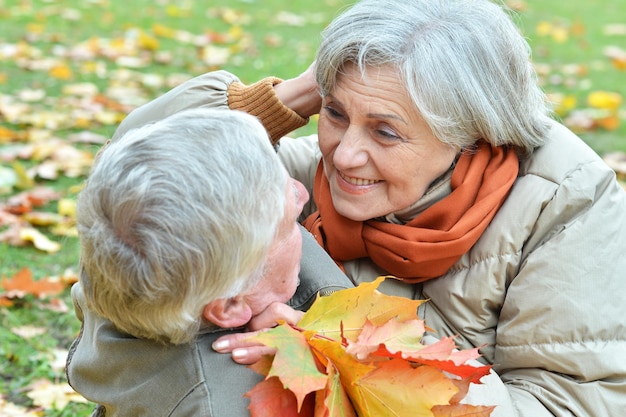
{"x": 323, "y": 336}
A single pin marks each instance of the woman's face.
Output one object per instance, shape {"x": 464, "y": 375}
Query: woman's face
{"x": 379, "y": 154}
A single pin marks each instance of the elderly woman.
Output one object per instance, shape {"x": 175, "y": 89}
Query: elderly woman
{"x": 437, "y": 162}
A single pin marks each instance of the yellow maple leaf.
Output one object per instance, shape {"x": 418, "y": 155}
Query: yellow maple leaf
{"x": 350, "y": 310}
{"x": 24, "y": 181}
{"x": 163, "y": 31}
{"x": 66, "y": 207}
{"x": 544, "y": 28}
{"x": 396, "y": 388}
{"x": 560, "y": 34}
{"x": 604, "y": 100}
{"x": 35, "y": 28}
{"x": 563, "y": 104}
{"x": 177, "y": 11}
{"x": 8, "y": 135}
{"x": 39, "y": 240}
{"x": 61, "y": 72}
{"x": 148, "y": 42}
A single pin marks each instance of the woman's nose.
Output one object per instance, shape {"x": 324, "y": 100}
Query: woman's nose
{"x": 351, "y": 151}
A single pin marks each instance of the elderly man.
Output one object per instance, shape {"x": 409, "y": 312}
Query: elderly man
{"x": 188, "y": 231}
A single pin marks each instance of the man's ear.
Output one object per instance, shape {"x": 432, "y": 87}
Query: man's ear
{"x": 228, "y": 312}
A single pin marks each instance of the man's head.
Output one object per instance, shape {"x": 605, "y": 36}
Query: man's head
{"x": 178, "y": 214}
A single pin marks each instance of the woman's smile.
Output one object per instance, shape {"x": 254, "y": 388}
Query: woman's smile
{"x": 359, "y": 182}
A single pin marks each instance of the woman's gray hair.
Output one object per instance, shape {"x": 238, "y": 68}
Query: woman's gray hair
{"x": 464, "y": 63}
{"x": 177, "y": 214}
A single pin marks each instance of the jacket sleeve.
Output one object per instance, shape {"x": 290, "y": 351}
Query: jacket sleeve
{"x": 561, "y": 337}
{"x": 219, "y": 89}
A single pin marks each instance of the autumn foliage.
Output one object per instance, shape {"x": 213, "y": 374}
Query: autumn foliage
{"x": 359, "y": 352}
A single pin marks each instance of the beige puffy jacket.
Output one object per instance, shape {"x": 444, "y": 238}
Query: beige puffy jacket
{"x": 543, "y": 290}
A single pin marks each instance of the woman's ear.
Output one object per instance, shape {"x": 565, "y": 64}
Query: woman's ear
{"x": 228, "y": 312}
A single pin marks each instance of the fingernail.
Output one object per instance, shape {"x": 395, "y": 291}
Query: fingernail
{"x": 220, "y": 345}
{"x": 239, "y": 353}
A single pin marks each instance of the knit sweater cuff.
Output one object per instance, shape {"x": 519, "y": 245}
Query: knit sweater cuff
{"x": 260, "y": 100}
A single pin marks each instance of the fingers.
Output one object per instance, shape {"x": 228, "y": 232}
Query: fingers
{"x": 248, "y": 356}
{"x": 301, "y": 94}
{"x": 245, "y": 351}
{"x": 241, "y": 349}
{"x": 229, "y": 342}
{"x": 274, "y": 313}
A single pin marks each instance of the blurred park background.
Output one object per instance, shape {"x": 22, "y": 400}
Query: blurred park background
{"x": 71, "y": 70}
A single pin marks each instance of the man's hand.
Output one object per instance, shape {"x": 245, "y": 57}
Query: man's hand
{"x": 247, "y": 352}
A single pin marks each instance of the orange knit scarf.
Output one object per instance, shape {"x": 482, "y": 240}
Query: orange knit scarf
{"x": 430, "y": 244}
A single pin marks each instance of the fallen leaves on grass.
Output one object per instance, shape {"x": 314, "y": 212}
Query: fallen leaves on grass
{"x": 617, "y": 161}
{"x": 569, "y": 86}
{"x": 46, "y": 136}
{"x": 9, "y": 409}
{"x": 28, "y": 332}
{"x": 55, "y": 396}
{"x": 21, "y": 223}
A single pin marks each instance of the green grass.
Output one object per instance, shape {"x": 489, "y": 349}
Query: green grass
{"x": 586, "y": 25}
{"x": 272, "y": 43}
{"x": 275, "y": 44}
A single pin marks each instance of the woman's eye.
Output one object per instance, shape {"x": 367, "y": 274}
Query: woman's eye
{"x": 387, "y": 134}
{"x": 333, "y": 113}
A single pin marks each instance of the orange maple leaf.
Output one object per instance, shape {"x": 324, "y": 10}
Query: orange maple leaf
{"x": 23, "y": 284}
{"x": 25, "y": 201}
{"x": 270, "y": 398}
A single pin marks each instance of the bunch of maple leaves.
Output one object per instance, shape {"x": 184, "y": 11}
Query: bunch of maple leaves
{"x": 358, "y": 352}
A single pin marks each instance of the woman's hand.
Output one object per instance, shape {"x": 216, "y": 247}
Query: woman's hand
{"x": 246, "y": 352}
{"x": 301, "y": 94}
